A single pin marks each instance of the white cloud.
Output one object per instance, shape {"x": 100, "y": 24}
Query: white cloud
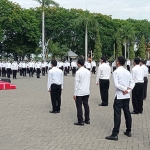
{"x": 123, "y": 9}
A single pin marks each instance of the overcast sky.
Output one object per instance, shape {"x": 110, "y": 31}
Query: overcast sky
{"x": 122, "y": 9}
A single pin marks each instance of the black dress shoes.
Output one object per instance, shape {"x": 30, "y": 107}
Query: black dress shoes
{"x": 111, "y": 137}
{"x": 53, "y": 112}
{"x": 87, "y": 122}
{"x": 128, "y": 134}
{"x": 79, "y": 123}
{"x": 133, "y": 112}
{"x": 102, "y": 104}
{"x": 58, "y": 111}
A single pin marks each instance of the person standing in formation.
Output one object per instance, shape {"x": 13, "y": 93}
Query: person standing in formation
{"x": 0, "y": 68}
{"x": 93, "y": 64}
{"x": 65, "y": 68}
{"x": 43, "y": 68}
{"x": 3, "y": 69}
{"x": 8, "y": 68}
{"x": 24, "y": 68}
{"x": 137, "y": 92}
{"x": 46, "y": 67}
{"x": 114, "y": 65}
{"x": 20, "y": 68}
{"x": 68, "y": 67}
{"x": 14, "y": 68}
{"x": 88, "y": 65}
{"x": 148, "y": 65}
{"x": 55, "y": 86}
{"x": 82, "y": 92}
{"x": 128, "y": 65}
{"x": 38, "y": 69}
{"x": 124, "y": 83}
{"x": 73, "y": 68}
{"x": 102, "y": 79}
{"x": 145, "y": 69}
{"x": 31, "y": 68}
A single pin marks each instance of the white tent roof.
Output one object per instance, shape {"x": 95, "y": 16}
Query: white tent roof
{"x": 72, "y": 54}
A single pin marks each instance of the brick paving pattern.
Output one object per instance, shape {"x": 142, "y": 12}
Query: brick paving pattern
{"x": 26, "y": 124}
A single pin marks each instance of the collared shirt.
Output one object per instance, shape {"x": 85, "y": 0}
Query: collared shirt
{"x": 43, "y": 65}
{"x": 8, "y": 65}
{"x": 114, "y": 64}
{"x": 3, "y": 65}
{"x": 137, "y": 74}
{"x": 148, "y": 63}
{"x": 88, "y": 65}
{"x": 14, "y": 66}
{"x": 93, "y": 64}
{"x": 55, "y": 76}
{"x": 145, "y": 69}
{"x": 104, "y": 72}
{"x": 31, "y": 65}
{"x": 82, "y": 82}
{"x": 38, "y": 65}
{"x": 23, "y": 65}
{"x": 128, "y": 62}
{"x": 73, "y": 64}
{"x": 122, "y": 81}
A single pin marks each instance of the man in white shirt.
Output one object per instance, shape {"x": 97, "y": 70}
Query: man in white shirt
{"x": 137, "y": 92}
{"x": 102, "y": 79}
{"x": 0, "y": 68}
{"x": 55, "y": 86}
{"x": 114, "y": 65}
{"x": 3, "y": 65}
{"x": 14, "y": 68}
{"x": 124, "y": 83}
{"x": 8, "y": 68}
{"x": 43, "y": 68}
{"x": 145, "y": 69}
{"x": 128, "y": 65}
{"x": 148, "y": 65}
{"x": 82, "y": 92}
{"x": 73, "y": 67}
{"x": 93, "y": 64}
{"x": 88, "y": 65}
{"x": 38, "y": 69}
{"x": 31, "y": 67}
{"x": 24, "y": 68}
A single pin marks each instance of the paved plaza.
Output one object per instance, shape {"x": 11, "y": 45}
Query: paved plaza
{"x": 26, "y": 124}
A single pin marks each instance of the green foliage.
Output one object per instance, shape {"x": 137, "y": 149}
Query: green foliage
{"x": 118, "y": 43}
{"x": 131, "y": 52}
{"x": 98, "y": 47}
{"x": 142, "y": 48}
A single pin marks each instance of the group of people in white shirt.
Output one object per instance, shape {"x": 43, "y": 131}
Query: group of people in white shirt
{"x": 124, "y": 81}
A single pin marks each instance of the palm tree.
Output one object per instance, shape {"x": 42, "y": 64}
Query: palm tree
{"x": 88, "y": 21}
{"x": 45, "y": 3}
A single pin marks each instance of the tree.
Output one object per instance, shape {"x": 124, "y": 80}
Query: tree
{"x": 98, "y": 47}
{"x": 45, "y": 3}
{"x": 118, "y": 43}
{"x": 88, "y": 21}
{"x": 131, "y": 51}
{"x": 142, "y": 48}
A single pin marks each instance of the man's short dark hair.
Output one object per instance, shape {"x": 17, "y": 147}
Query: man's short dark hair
{"x": 103, "y": 58}
{"x": 121, "y": 60}
{"x": 137, "y": 60}
{"x": 143, "y": 61}
{"x": 81, "y": 61}
{"x": 54, "y": 63}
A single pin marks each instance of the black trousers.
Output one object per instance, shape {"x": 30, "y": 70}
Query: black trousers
{"x": 65, "y": 71}
{"x": 24, "y": 71}
{"x": 128, "y": 68}
{"x": 124, "y": 104}
{"x": 137, "y": 98}
{"x": 93, "y": 70}
{"x": 114, "y": 68}
{"x": 31, "y": 72}
{"x": 68, "y": 70}
{"x": 38, "y": 71}
{"x": 73, "y": 71}
{"x": 104, "y": 89}
{"x": 145, "y": 88}
{"x": 0, "y": 72}
{"x": 20, "y": 71}
{"x": 8, "y": 72}
{"x": 43, "y": 71}
{"x": 46, "y": 69}
{"x": 56, "y": 97}
{"x": 14, "y": 74}
{"x": 79, "y": 101}
{"x": 3, "y": 72}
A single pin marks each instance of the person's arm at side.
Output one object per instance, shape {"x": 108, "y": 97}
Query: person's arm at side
{"x": 76, "y": 85}
{"x": 131, "y": 85}
{"x": 98, "y": 75}
{"x": 62, "y": 80}
{"x": 116, "y": 82}
{"x": 49, "y": 82}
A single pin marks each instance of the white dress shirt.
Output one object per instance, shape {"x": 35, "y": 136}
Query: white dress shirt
{"x": 88, "y": 65}
{"x": 14, "y": 66}
{"x": 122, "y": 81}
{"x": 145, "y": 69}
{"x": 55, "y": 76}
{"x": 128, "y": 62}
{"x": 93, "y": 64}
{"x": 8, "y": 65}
{"x": 23, "y": 65}
{"x": 3, "y": 65}
{"x": 148, "y": 63}
{"x": 38, "y": 65}
{"x": 104, "y": 72}
{"x": 137, "y": 74}
{"x": 82, "y": 82}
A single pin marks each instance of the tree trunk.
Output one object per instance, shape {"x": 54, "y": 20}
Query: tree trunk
{"x": 86, "y": 41}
